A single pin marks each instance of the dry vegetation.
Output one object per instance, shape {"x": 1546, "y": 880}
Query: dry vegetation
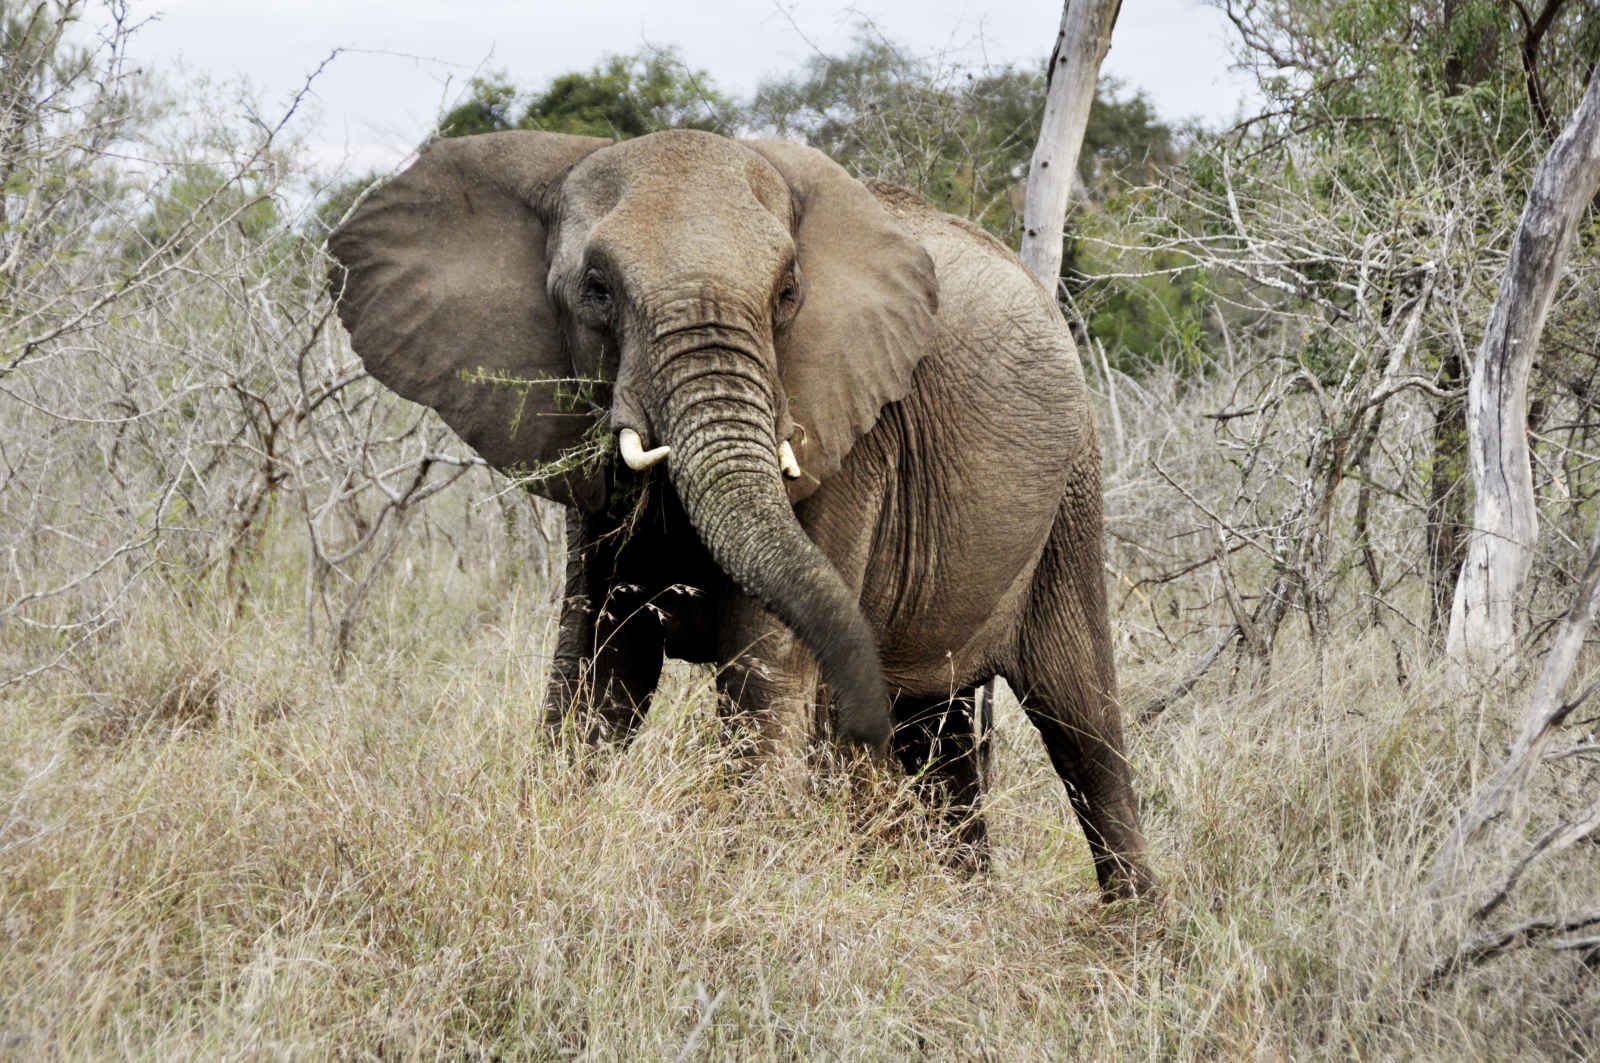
{"x": 272, "y": 653}
{"x": 214, "y": 850}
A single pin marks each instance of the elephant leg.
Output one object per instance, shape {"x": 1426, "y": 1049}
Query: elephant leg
{"x": 769, "y": 684}
{"x": 944, "y": 744}
{"x": 609, "y": 645}
{"x": 1067, "y": 684}
{"x": 566, "y": 689}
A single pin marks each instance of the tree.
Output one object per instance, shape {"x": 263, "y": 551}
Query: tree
{"x": 1347, "y": 240}
{"x": 960, "y": 138}
{"x": 623, "y": 96}
{"x": 490, "y": 107}
{"x": 1505, "y": 519}
{"x": 62, "y": 105}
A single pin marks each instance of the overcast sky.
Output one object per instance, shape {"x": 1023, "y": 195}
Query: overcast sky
{"x": 407, "y": 57}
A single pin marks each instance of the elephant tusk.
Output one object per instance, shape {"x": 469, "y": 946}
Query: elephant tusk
{"x": 787, "y": 461}
{"x": 634, "y": 456}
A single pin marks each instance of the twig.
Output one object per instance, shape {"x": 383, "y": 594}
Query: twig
{"x": 1487, "y": 946}
{"x": 1160, "y": 705}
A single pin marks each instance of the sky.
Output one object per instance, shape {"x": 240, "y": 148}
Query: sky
{"x": 405, "y": 60}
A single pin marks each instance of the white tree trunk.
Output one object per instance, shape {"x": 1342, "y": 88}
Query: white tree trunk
{"x": 1505, "y": 524}
{"x": 1081, "y": 45}
{"x": 1546, "y": 711}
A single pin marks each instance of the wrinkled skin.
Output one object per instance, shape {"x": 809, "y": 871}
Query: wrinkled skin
{"x": 946, "y": 530}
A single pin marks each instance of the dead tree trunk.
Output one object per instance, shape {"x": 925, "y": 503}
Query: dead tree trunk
{"x": 1081, "y": 45}
{"x": 1504, "y": 521}
{"x": 1501, "y": 800}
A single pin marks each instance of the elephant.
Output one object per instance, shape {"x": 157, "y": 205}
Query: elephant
{"x": 802, "y": 423}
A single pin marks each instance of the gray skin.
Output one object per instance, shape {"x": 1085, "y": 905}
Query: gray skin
{"x": 731, "y": 296}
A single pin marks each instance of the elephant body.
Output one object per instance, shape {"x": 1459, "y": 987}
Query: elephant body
{"x": 950, "y": 475}
{"x": 942, "y": 512}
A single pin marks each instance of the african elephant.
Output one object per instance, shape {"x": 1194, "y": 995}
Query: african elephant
{"x": 851, "y": 424}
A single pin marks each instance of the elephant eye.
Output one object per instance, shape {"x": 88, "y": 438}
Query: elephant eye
{"x": 788, "y": 298}
{"x": 595, "y": 292}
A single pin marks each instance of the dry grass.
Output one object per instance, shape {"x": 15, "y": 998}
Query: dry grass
{"x": 214, "y": 850}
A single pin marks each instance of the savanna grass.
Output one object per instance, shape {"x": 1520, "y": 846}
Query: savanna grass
{"x": 216, "y": 851}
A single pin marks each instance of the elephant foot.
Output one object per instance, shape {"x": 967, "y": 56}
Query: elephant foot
{"x": 592, "y": 718}
{"x": 1127, "y": 879}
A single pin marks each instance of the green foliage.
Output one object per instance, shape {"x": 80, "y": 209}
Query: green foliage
{"x": 629, "y": 96}
{"x": 490, "y": 107}
{"x": 623, "y": 96}
{"x": 1152, "y": 313}
{"x": 1392, "y": 131}
{"x": 1125, "y": 141}
{"x": 960, "y": 138}
{"x": 189, "y": 206}
{"x": 1382, "y": 65}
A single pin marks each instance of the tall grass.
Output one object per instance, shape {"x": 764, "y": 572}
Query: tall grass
{"x": 215, "y": 851}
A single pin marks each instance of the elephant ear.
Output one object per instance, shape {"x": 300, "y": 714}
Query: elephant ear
{"x": 440, "y": 280}
{"x": 868, "y": 314}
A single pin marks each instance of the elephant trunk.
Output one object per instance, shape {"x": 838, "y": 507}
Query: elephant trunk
{"x": 716, "y": 411}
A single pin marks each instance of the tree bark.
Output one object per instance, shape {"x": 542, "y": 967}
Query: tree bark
{"x": 1505, "y": 523}
{"x": 1081, "y": 46}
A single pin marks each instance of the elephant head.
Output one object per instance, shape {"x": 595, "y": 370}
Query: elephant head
{"x": 734, "y": 309}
